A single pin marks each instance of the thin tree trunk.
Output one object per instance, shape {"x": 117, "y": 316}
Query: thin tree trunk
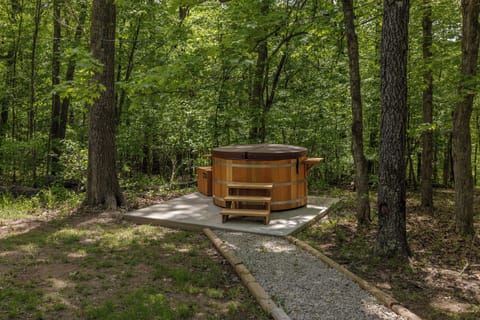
{"x": 54, "y": 137}
{"x": 461, "y": 141}
{"x": 121, "y": 99}
{"x": 17, "y": 8}
{"x": 392, "y": 235}
{"x": 360, "y": 162}
{"x": 435, "y": 163}
{"x": 427, "y": 138}
{"x": 447, "y": 162}
{"x": 257, "y": 99}
{"x": 71, "y": 73}
{"x": 32, "y": 111}
{"x": 102, "y": 183}
{"x": 11, "y": 59}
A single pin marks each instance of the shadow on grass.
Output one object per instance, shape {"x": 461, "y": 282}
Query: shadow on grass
{"x": 99, "y": 267}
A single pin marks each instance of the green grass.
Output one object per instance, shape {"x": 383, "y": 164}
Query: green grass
{"x": 140, "y": 304}
{"x": 56, "y": 198}
{"x": 87, "y": 268}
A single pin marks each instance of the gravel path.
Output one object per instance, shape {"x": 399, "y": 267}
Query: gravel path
{"x": 300, "y": 283}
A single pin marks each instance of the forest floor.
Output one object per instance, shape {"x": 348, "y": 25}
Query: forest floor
{"x": 78, "y": 265}
{"x": 66, "y": 264}
{"x": 441, "y": 280}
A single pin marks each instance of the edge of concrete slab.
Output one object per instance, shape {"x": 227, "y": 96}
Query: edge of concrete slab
{"x": 247, "y": 278}
{"x": 381, "y": 296}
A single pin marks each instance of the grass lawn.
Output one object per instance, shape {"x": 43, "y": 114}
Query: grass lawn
{"x": 441, "y": 280}
{"x": 55, "y": 264}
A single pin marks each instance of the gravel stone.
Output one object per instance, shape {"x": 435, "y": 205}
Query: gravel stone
{"x": 301, "y": 284}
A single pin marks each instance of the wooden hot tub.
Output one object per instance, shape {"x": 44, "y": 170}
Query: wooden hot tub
{"x": 284, "y": 166}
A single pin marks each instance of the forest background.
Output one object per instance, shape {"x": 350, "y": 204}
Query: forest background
{"x": 186, "y": 76}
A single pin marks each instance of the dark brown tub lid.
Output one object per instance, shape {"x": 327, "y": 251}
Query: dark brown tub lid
{"x": 259, "y": 152}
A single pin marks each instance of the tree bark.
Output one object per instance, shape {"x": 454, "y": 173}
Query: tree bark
{"x": 102, "y": 183}
{"x": 258, "y": 89}
{"x": 359, "y": 160}
{"x": 427, "y": 138}
{"x": 121, "y": 97}
{"x": 54, "y": 137}
{"x": 33, "y": 61}
{"x": 461, "y": 139}
{"x": 392, "y": 235}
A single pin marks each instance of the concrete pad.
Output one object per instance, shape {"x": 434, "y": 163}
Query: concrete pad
{"x": 196, "y": 211}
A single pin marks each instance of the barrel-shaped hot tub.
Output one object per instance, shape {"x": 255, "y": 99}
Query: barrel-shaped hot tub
{"x": 284, "y": 166}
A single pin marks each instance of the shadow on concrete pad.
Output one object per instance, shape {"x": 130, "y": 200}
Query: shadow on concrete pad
{"x": 196, "y": 211}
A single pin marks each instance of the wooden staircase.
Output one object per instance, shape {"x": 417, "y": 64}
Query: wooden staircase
{"x": 238, "y": 204}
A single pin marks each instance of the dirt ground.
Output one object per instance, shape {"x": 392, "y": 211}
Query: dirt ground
{"x": 441, "y": 280}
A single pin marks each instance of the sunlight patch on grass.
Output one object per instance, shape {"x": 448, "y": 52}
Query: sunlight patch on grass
{"x": 67, "y": 236}
{"x": 17, "y": 208}
{"x": 141, "y": 304}
{"x": 128, "y": 236}
{"x": 55, "y": 198}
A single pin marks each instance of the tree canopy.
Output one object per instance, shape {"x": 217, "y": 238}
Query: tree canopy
{"x": 191, "y": 75}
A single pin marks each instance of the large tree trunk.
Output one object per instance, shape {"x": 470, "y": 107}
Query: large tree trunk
{"x": 102, "y": 183}
{"x": 361, "y": 169}
{"x": 427, "y": 139}
{"x": 392, "y": 235}
{"x": 461, "y": 140}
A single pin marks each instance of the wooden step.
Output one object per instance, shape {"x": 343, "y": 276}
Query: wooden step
{"x": 245, "y": 212}
{"x": 265, "y": 214}
{"x": 254, "y": 199}
{"x": 250, "y": 185}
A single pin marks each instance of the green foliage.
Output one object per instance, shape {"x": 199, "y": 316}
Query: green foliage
{"x": 184, "y": 76}
{"x": 74, "y": 160}
{"x": 54, "y": 198}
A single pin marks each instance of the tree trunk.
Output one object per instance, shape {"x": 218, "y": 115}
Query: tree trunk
{"x": 102, "y": 183}
{"x": 447, "y": 175}
{"x": 33, "y": 61}
{"x": 70, "y": 73}
{"x": 427, "y": 138}
{"x": 54, "y": 137}
{"x": 11, "y": 59}
{"x": 461, "y": 140}
{"x": 392, "y": 235}
{"x": 121, "y": 97}
{"x": 257, "y": 99}
{"x": 359, "y": 160}
{"x": 32, "y": 109}
{"x": 60, "y": 108}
